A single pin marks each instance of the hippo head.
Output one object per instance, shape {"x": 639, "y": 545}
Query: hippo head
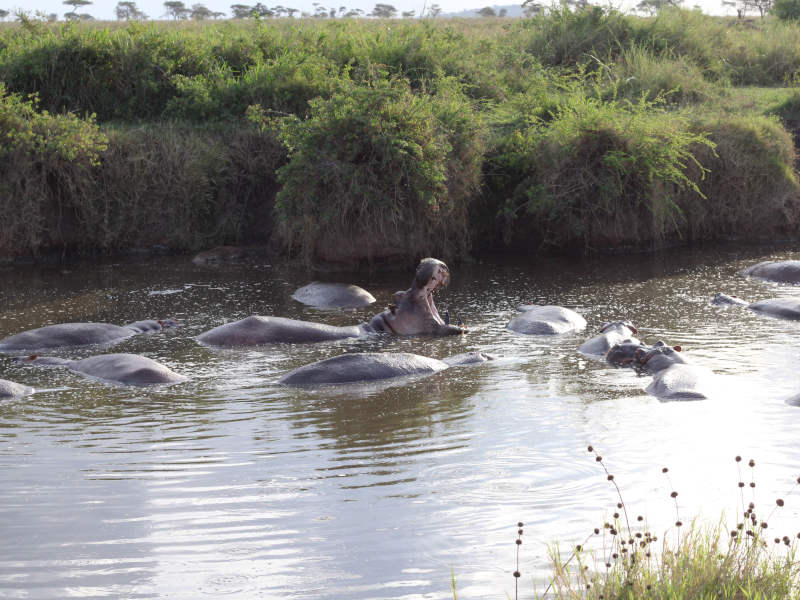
{"x": 624, "y": 353}
{"x": 657, "y": 358}
{"x": 413, "y": 311}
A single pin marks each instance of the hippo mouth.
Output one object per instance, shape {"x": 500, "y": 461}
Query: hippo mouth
{"x": 439, "y": 279}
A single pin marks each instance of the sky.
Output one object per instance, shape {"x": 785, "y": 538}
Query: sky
{"x": 104, "y": 9}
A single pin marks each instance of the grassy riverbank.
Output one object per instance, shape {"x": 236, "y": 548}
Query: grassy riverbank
{"x": 740, "y": 558}
{"x": 364, "y": 141}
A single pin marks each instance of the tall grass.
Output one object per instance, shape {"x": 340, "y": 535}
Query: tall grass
{"x": 729, "y": 560}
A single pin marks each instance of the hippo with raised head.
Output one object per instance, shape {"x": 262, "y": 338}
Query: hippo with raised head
{"x": 673, "y": 377}
{"x": 79, "y": 334}
{"x": 785, "y": 271}
{"x": 128, "y": 369}
{"x": 372, "y": 366}
{"x": 10, "y": 389}
{"x": 610, "y": 335}
{"x": 333, "y": 295}
{"x": 412, "y": 312}
{"x": 537, "y": 319}
{"x": 780, "y": 308}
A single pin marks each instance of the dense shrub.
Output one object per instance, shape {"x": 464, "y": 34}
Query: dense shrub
{"x": 598, "y": 175}
{"x": 379, "y": 172}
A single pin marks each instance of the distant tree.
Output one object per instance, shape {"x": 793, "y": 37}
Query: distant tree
{"x": 241, "y": 11}
{"x": 652, "y": 7}
{"x": 353, "y": 13}
{"x": 51, "y": 17}
{"x": 291, "y": 12}
{"x": 786, "y": 10}
{"x": 199, "y": 12}
{"x": 408, "y": 14}
{"x": 434, "y": 11}
{"x": 487, "y": 11}
{"x": 383, "y": 11}
{"x": 75, "y": 4}
{"x": 176, "y": 9}
{"x": 128, "y": 11}
{"x": 217, "y": 14}
{"x": 747, "y": 6}
{"x": 263, "y": 11}
{"x": 3, "y": 14}
{"x": 503, "y": 12}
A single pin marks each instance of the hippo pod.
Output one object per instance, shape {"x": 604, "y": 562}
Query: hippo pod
{"x": 412, "y": 312}
{"x": 128, "y": 369}
{"x": 539, "y": 319}
{"x": 611, "y": 334}
{"x": 372, "y": 366}
{"x": 786, "y": 271}
{"x": 333, "y": 295}
{"x": 10, "y": 389}
{"x": 79, "y": 334}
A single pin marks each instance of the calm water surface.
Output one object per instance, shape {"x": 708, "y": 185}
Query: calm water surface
{"x": 231, "y": 485}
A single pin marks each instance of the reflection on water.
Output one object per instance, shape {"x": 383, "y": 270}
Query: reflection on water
{"x": 232, "y": 485}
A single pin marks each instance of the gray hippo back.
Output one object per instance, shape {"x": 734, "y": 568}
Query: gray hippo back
{"x": 78, "y": 334}
{"x": 128, "y": 369}
{"x": 610, "y": 334}
{"x": 333, "y": 295}
{"x": 546, "y": 320}
{"x": 373, "y": 366}
{"x": 786, "y": 271}
{"x": 256, "y": 330}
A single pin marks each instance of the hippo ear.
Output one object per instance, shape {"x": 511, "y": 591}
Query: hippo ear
{"x": 677, "y": 348}
{"x": 32, "y": 357}
{"x": 632, "y": 328}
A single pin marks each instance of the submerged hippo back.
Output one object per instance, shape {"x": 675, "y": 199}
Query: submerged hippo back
{"x": 255, "y": 331}
{"x": 65, "y": 334}
{"x": 130, "y": 369}
{"x": 366, "y": 366}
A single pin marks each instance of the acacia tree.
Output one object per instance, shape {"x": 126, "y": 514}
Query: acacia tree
{"x": 176, "y": 9}
{"x": 241, "y": 11}
{"x": 198, "y": 12}
{"x": 128, "y": 11}
{"x": 383, "y": 11}
{"x": 3, "y": 14}
{"x": 75, "y": 4}
{"x": 487, "y": 11}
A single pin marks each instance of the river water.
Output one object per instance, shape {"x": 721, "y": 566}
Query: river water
{"x": 231, "y": 485}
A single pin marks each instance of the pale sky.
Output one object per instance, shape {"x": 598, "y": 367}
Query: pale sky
{"x": 104, "y": 9}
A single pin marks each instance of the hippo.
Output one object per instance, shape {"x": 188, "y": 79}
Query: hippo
{"x": 673, "y": 377}
{"x": 128, "y": 369}
{"x": 372, "y": 366}
{"x": 623, "y": 354}
{"x": 537, "y": 319}
{"x": 10, "y": 389}
{"x": 333, "y": 295}
{"x": 721, "y": 299}
{"x": 780, "y": 308}
{"x": 79, "y": 334}
{"x": 412, "y": 312}
{"x": 785, "y": 271}
{"x": 610, "y": 334}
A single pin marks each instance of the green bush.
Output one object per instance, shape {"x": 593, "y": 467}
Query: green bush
{"x": 598, "y": 175}
{"x": 786, "y": 10}
{"x": 379, "y": 173}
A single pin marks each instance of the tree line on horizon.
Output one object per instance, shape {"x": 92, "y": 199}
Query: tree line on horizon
{"x": 127, "y": 10}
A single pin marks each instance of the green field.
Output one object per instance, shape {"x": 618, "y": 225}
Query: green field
{"x": 363, "y": 141}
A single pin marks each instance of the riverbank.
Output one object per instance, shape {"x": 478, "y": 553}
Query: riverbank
{"x": 357, "y": 142}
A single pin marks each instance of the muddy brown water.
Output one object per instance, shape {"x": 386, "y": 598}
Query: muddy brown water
{"x": 231, "y": 485}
